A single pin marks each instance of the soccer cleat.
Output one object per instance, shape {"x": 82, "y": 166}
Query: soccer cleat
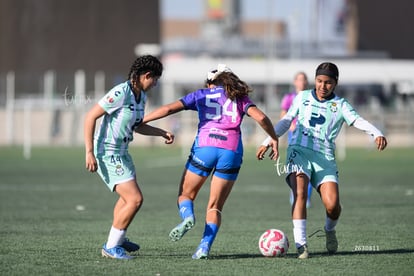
{"x": 178, "y": 232}
{"x": 116, "y": 252}
{"x": 303, "y": 252}
{"x": 202, "y": 251}
{"x": 331, "y": 241}
{"x": 130, "y": 246}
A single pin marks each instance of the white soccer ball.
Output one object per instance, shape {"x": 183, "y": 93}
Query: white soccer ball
{"x": 273, "y": 243}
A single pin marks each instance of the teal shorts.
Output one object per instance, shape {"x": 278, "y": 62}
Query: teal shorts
{"x": 115, "y": 169}
{"x": 318, "y": 167}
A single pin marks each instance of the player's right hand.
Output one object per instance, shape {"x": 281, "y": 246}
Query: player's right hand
{"x": 261, "y": 152}
{"x": 91, "y": 164}
{"x": 274, "y": 154}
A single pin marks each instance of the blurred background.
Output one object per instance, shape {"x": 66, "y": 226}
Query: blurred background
{"x": 57, "y": 58}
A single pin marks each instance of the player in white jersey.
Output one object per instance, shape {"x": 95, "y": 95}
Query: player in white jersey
{"x": 320, "y": 115}
{"x": 122, "y": 109}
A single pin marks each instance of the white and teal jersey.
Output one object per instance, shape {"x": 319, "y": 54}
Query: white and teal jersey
{"x": 123, "y": 114}
{"x": 319, "y": 122}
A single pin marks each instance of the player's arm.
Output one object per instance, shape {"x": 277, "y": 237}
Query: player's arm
{"x": 164, "y": 111}
{"x": 267, "y": 126}
{"x": 88, "y": 130}
{"x": 145, "y": 129}
{"x": 370, "y": 129}
{"x": 281, "y": 127}
{"x": 352, "y": 118}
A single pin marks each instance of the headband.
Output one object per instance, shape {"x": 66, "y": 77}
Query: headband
{"x": 327, "y": 72}
{"x": 211, "y": 75}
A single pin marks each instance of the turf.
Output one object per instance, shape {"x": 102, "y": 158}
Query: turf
{"x": 55, "y": 216}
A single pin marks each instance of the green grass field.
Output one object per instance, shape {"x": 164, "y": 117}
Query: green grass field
{"x": 43, "y": 232}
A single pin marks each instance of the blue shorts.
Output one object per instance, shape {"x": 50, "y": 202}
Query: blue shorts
{"x": 115, "y": 169}
{"x": 224, "y": 163}
{"x": 317, "y": 167}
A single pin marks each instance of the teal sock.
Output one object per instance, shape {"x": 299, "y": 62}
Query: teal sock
{"x": 210, "y": 232}
{"x": 186, "y": 208}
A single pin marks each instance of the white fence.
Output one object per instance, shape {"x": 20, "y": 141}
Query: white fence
{"x": 48, "y": 120}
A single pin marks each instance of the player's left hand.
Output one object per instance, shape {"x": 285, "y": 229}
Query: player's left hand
{"x": 381, "y": 142}
{"x": 169, "y": 137}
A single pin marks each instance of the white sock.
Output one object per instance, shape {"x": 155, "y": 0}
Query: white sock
{"x": 116, "y": 237}
{"x": 299, "y": 232}
{"x": 330, "y": 224}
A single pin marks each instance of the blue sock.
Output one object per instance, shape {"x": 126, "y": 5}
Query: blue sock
{"x": 186, "y": 208}
{"x": 210, "y": 232}
{"x": 310, "y": 188}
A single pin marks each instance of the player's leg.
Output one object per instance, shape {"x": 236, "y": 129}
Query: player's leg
{"x": 330, "y": 198}
{"x": 222, "y": 182}
{"x": 118, "y": 173}
{"x": 189, "y": 187}
{"x": 198, "y": 167}
{"x": 126, "y": 244}
{"x": 128, "y": 204}
{"x": 219, "y": 191}
{"x": 299, "y": 185}
{"x": 298, "y": 162}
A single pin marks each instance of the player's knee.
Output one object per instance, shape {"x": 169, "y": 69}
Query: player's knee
{"x": 333, "y": 211}
{"x": 136, "y": 201}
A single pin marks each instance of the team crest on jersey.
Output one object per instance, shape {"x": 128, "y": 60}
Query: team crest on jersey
{"x": 119, "y": 170}
{"x": 334, "y": 107}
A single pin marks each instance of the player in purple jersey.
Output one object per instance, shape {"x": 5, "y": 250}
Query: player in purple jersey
{"x": 300, "y": 82}
{"x": 217, "y": 148}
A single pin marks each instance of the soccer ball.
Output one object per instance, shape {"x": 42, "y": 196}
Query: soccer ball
{"x": 273, "y": 243}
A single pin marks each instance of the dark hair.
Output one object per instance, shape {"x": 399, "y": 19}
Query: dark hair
{"x": 328, "y": 69}
{"x": 235, "y": 87}
{"x": 145, "y": 64}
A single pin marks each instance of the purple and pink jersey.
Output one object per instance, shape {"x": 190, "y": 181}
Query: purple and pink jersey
{"x": 219, "y": 117}
{"x": 287, "y": 101}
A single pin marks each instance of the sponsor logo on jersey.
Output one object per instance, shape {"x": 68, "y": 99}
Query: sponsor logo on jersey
{"x": 109, "y": 99}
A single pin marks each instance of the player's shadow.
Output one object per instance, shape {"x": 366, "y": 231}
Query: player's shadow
{"x": 235, "y": 256}
{"x": 365, "y": 252}
{"x": 315, "y": 254}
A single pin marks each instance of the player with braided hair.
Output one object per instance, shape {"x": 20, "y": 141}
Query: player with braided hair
{"x": 122, "y": 109}
{"x": 217, "y": 149}
{"x": 146, "y": 64}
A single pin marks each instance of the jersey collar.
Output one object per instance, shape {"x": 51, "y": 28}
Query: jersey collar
{"x": 327, "y": 99}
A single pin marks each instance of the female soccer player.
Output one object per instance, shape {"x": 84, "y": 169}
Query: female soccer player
{"x": 311, "y": 151}
{"x": 122, "y": 109}
{"x": 217, "y": 148}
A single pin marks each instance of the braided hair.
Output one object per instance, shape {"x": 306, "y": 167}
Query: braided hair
{"x": 145, "y": 64}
